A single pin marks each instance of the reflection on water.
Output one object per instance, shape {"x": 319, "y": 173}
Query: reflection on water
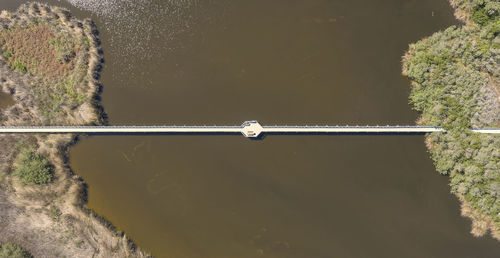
{"x": 134, "y": 27}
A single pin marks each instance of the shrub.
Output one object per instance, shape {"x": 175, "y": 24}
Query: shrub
{"x": 479, "y": 15}
{"x": 9, "y": 250}
{"x": 33, "y": 168}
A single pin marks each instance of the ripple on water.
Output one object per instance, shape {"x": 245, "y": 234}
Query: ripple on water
{"x": 144, "y": 29}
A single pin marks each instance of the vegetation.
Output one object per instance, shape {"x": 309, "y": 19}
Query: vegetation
{"x": 9, "y": 250}
{"x": 32, "y": 167}
{"x": 49, "y": 64}
{"x": 54, "y": 213}
{"x": 477, "y": 11}
{"x": 455, "y": 75}
{"x": 56, "y": 56}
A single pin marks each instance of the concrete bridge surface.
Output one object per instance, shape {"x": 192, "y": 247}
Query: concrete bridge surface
{"x": 250, "y": 129}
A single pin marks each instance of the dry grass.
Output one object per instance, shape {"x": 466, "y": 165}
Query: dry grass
{"x": 32, "y": 48}
{"x": 482, "y": 224}
{"x": 61, "y": 57}
{"x": 55, "y": 50}
{"x": 49, "y": 220}
{"x": 460, "y": 13}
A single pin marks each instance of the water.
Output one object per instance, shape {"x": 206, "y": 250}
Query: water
{"x": 6, "y": 100}
{"x": 280, "y": 62}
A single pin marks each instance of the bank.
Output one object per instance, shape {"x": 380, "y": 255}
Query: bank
{"x": 455, "y": 84}
{"x": 50, "y": 66}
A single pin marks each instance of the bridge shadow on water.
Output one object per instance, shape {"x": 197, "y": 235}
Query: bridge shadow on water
{"x": 164, "y": 133}
{"x": 264, "y": 135}
{"x": 261, "y": 137}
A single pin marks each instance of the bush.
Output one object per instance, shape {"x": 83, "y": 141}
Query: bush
{"x": 479, "y": 15}
{"x": 33, "y": 168}
{"x": 9, "y": 250}
{"x": 453, "y": 71}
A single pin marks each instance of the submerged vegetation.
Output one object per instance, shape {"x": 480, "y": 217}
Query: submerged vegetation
{"x": 456, "y": 84}
{"x": 49, "y": 65}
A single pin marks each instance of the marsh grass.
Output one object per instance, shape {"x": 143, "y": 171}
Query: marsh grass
{"x": 50, "y": 65}
{"x": 58, "y": 59}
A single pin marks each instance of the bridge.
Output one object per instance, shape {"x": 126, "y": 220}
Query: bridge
{"x": 250, "y": 129}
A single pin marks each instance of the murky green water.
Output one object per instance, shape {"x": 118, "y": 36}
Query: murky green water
{"x": 280, "y": 62}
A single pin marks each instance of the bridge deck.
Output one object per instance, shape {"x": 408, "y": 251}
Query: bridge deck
{"x": 351, "y": 129}
{"x": 123, "y": 129}
{"x": 250, "y": 129}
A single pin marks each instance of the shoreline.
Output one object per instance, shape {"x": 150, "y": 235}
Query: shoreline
{"x": 52, "y": 220}
{"x": 470, "y": 96}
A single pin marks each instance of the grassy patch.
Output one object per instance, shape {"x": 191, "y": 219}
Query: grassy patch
{"x": 7, "y": 53}
{"x": 19, "y": 66}
{"x": 56, "y": 56}
{"x": 55, "y": 213}
{"x": 9, "y": 250}
{"x": 32, "y": 167}
{"x": 79, "y": 243}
